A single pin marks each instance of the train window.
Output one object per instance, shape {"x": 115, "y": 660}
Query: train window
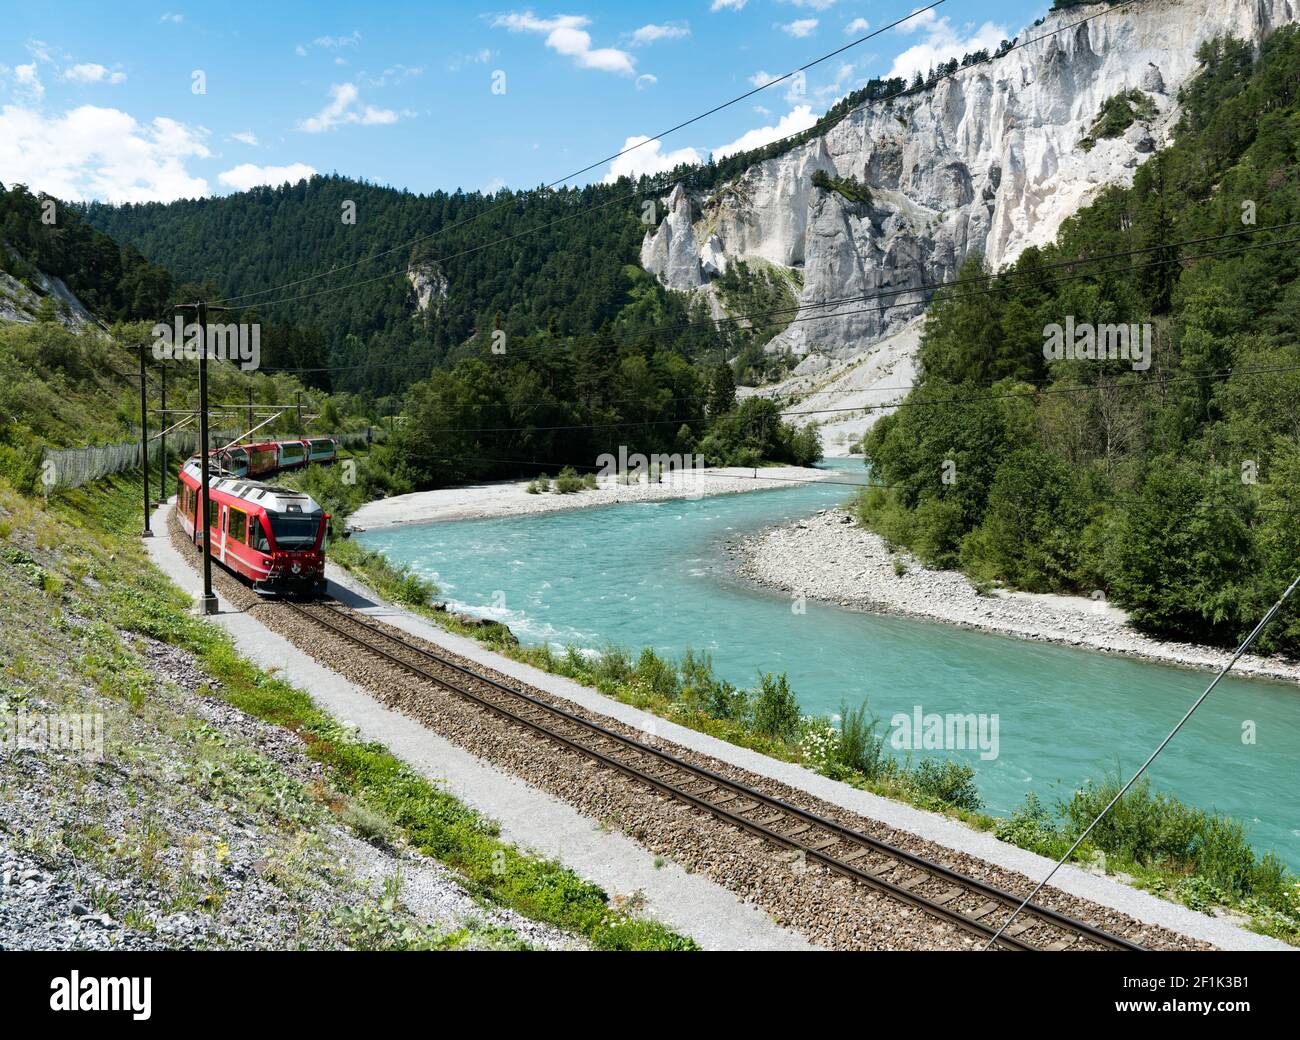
{"x": 257, "y": 535}
{"x": 214, "y": 513}
{"x": 238, "y": 525}
{"x": 294, "y": 532}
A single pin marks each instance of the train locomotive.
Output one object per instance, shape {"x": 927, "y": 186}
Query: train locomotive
{"x": 271, "y": 536}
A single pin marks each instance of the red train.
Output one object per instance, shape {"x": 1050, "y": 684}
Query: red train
{"x": 274, "y": 537}
{"x": 261, "y": 460}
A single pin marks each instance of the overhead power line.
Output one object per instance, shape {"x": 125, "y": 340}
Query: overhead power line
{"x": 658, "y": 186}
{"x": 1241, "y": 650}
{"x": 599, "y": 162}
{"x": 993, "y": 283}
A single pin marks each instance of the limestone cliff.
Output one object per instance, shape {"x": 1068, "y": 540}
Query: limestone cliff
{"x": 988, "y": 160}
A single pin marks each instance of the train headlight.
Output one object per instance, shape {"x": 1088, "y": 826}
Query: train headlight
{"x": 296, "y": 566}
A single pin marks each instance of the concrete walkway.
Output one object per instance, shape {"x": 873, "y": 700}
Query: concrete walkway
{"x": 530, "y": 818}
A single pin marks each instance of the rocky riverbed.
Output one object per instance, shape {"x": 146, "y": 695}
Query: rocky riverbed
{"x": 830, "y": 557}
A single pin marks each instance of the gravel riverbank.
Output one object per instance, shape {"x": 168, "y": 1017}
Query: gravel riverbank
{"x": 832, "y": 558}
{"x": 511, "y": 498}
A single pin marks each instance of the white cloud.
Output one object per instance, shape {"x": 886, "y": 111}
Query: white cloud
{"x": 247, "y": 175}
{"x": 245, "y": 137}
{"x": 799, "y": 118}
{"x": 816, "y": 5}
{"x": 89, "y": 72}
{"x": 343, "y": 109}
{"x": 175, "y": 19}
{"x": 647, "y": 159}
{"x": 941, "y": 43}
{"x": 99, "y": 153}
{"x": 392, "y": 74}
{"x": 565, "y": 35}
{"x": 652, "y": 33}
{"x": 478, "y": 57}
{"x": 646, "y": 79}
{"x": 800, "y": 27}
{"x": 335, "y": 42}
{"x": 761, "y": 78}
{"x": 728, "y": 5}
{"x": 858, "y": 25}
{"x": 28, "y": 82}
{"x": 493, "y": 186}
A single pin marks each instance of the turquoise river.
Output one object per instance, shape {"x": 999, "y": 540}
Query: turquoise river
{"x": 655, "y": 574}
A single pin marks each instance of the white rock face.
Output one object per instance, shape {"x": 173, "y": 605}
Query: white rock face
{"x": 986, "y": 161}
{"x": 429, "y": 285}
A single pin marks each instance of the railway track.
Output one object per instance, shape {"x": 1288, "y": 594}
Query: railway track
{"x": 971, "y": 905}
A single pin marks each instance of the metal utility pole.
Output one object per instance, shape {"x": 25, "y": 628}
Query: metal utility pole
{"x": 162, "y": 437}
{"x": 251, "y": 420}
{"x": 207, "y": 601}
{"x": 299, "y": 403}
{"x": 144, "y": 443}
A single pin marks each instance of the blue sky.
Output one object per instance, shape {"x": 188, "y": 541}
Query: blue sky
{"x": 102, "y": 101}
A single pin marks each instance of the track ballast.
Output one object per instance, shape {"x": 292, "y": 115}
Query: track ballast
{"x": 971, "y": 905}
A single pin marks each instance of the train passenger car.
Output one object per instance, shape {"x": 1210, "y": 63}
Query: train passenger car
{"x": 273, "y": 537}
{"x": 293, "y": 454}
{"x": 322, "y": 450}
{"x": 233, "y": 461}
{"x": 263, "y": 458}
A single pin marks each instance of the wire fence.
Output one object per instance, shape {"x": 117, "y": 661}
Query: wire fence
{"x": 66, "y": 468}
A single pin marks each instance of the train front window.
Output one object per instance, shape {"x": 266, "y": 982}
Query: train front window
{"x": 293, "y": 532}
{"x": 257, "y": 535}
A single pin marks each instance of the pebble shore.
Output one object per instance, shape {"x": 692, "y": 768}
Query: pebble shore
{"x": 830, "y": 557}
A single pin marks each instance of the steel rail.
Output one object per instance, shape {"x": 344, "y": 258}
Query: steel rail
{"x": 872, "y": 878}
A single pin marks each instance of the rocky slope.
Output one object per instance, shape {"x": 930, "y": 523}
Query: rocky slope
{"x": 986, "y": 161}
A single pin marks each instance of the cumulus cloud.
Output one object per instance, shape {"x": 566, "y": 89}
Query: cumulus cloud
{"x": 653, "y": 33}
{"x": 245, "y": 137}
{"x": 99, "y": 153}
{"x": 565, "y": 34}
{"x": 800, "y": 27}
{"x": 89, "y": 72}
{"x": 799, "y": 118}
{"x": 343, "y": 108}
{"x": 175, "y": 19}
{"x": 942, "y": 41}
{"x": 646, "y": 79}
{"x": 728, "y": 5}
{"x": 248, "y": 175}
{"x": 647, "y": 159}
{"x": 858, "y": 25}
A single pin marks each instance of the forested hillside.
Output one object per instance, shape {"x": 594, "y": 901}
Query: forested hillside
{"x": 541, "y": 267}
{"x": 1175, "y": 490}
{"x": 41, "y": 234}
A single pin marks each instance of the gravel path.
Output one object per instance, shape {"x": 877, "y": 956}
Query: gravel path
{"x": 830, "y": 910}
{"x": 830, "y": 557}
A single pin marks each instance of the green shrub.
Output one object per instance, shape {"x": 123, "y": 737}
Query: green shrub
{"x": 568, "y": 481}
{"x": 858, "y": 746}
{"x": 776, "y": 711}
{"x": 948, "y": 781}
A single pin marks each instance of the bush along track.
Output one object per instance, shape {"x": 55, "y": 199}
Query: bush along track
{"x": 80, "y": 558}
